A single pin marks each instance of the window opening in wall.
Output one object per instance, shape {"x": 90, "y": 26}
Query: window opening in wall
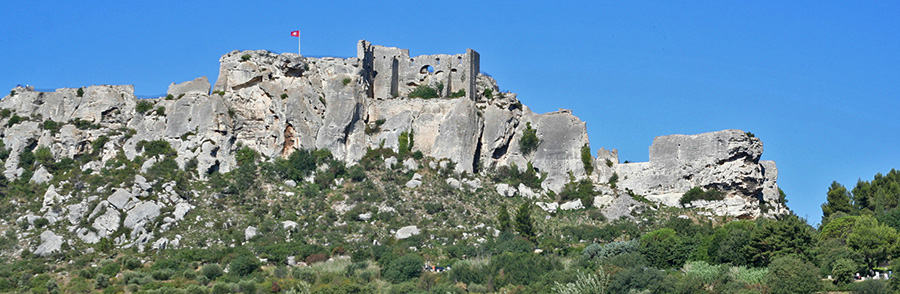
{"x": 459, "y": 60}
{"x": 412, "y": 62}
{"x": 426, "y": 69}
{"x": 438, "y": 61}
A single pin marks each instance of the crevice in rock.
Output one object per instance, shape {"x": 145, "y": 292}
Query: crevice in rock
{"x": 289, "y": 136}
{"x": 250, "y": 83}
{"x": 503, "y": 149}
{"x": 476, "y": 162}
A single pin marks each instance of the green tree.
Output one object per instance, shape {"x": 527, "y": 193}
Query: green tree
{"x": 524, "y": 222}
{"x": 529, "y": 141}
{"x": 838, "y": 200}
{"x": 790, "y": 235}
{"x": 842, "y": 271}
{"x": 586, "y": 159}
{"x": 663, "y": 248}
{"x": 503, "y": 219}
{"x": 791, "y": 275}
{"x": 875, "y": 241}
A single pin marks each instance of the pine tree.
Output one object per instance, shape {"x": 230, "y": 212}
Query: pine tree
{"x": 503, "y": 219}
{"x": 524, "y": 222}
{"x": 838, "y": 200}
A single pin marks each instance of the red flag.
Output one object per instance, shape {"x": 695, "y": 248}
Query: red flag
{"x": 295, "y": 34}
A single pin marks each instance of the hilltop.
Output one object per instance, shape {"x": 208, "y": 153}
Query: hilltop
{"x": 376, "y": 149}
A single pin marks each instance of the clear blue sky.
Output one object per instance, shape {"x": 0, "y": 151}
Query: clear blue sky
{"x": 818, "y": 81}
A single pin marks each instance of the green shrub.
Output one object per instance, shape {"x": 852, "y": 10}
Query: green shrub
{"x": 131, "y": 263}
{"x": 457, "y": 94}
{"x": 51, "y": 126}
{"x": 247, "y": 286}
{"x": 696, "y": 193}
{"x": 243, "y": 265}
{"x": 4, "y": 113}
{"x": 161, "y": 111}
{"x": 529, "y": 141}
{"x": 585, "y": 283}
{"x": 143, "y": 106}
{"x": 83, "y": 124}
{"x": 41, "y": 222}
{"x": 224, "y": 288}
{"x": 101, "y": 281}
{"x": 403, "y": 268}
{"x": 404, "y": 142}
{"x": 79, "y": 92}
{"x": 170, "y": 97}
{"x": 12, "y": 93}
{"x": 284, "y": 96}
{"x": 14, "y": 120}
{"x": 870, "y": 287}
{"x": 423, "y": 91}
{"x": 613, "y": 179}
{"x": 586, "y": 159}
{"x": 155, "y": 148}
{"x": 489, "y": 94}
{"x": 245, "y": 57}
{"x": 211, "y": 271}
{"x": 788, "y": 274}
{"x": 842, "y": 270}
{"x": 109, "y": 268}
{"x": 663, "y": 248}
{"x": 345, "y": 81}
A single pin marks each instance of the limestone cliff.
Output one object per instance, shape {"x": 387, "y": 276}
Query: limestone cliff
{"x": 279, "y": 103}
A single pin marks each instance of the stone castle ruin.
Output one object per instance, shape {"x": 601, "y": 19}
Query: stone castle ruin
{"x": 391, "y": 72}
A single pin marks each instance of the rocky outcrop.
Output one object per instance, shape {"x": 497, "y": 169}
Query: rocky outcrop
{"x": 279, "y": 103}
{"x": 727, "y": 161}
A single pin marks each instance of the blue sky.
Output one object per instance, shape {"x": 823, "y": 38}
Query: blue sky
{"x": 817, "y": 81}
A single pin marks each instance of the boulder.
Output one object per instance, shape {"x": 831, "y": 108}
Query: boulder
{"x": 406, "y": 232}
{"x": 141, "y": 213}
{"x": 548, "y": 206}
{"x": 571, "y": 205}
{"x": 41, "y": 176}
{"x": 107, "y": 223}
{"x": 505, "y": 190}
{"x": 50, "y": 243}
{"x": 120, "y": 199}
{"x": 249, "y": 233}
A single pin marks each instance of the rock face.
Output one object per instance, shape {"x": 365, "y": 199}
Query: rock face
{"x": 279, "y": 103}
{"x": 727, "y": 161}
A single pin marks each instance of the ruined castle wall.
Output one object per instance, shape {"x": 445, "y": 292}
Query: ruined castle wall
{"x": 391, "y": 72}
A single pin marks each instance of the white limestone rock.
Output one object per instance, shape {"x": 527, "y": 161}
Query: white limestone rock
{"x": 249, "y": 233}
{"x": 50, "y": 243}
{"x": 41, "y": 176}
{"x": 406, "y": 232}
{"x": 76, "y": 212}
{"x": 121, "y": 199}
{"x": 456, "y": 184}
{"x": 410, "y": 165}
{"x": 572, "y": 205}
{"x": 527, "y": 192}
{"x": 181, "y": 209}
{"x": 505, "y": 190}
{"x": 197, "y": 86}
{"x": 107, "y": 223}
{"x": 550, "y": 207}
{"x": 288, "y": 225}
{"x": 142, "y": 213}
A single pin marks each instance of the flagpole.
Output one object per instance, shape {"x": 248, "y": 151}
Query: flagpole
{"x": 298, "y": 44}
